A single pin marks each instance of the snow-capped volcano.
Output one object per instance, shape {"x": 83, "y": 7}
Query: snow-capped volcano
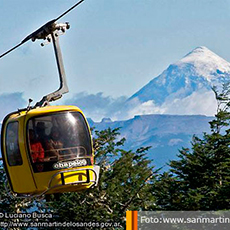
{"x": 184, "y": 87}
{"x": 205, "y": 63}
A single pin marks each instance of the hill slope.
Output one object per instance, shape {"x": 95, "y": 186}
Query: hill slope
{"x": 165, "y": 133}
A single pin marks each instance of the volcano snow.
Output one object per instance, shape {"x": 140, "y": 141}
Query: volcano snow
{"x": 185, "y": 87}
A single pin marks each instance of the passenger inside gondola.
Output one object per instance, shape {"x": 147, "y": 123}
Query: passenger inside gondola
{"x": 41, "y": 133}
{"x": 54, "y": 145}
{"x": 37, "y": 152}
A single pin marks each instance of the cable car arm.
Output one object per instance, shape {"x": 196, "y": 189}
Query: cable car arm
{"x": 47, "y": 32}
{"x": 63, "y": 84}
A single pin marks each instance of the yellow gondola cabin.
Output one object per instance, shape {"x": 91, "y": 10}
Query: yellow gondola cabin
{"x": 33, "y": 171}
{"x": 48, "y": 149}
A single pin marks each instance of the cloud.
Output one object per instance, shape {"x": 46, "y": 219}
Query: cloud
{"x": 138, "y": 108}
{"x": 10, "y": 102}
{"x": 175, "y": 141}
{"x": 199, "y": 102}
{"x": 97, "y": 106}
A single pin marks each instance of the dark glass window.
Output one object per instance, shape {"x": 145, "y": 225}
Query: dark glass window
{"x": 12, "y": 147}
{"x": 58, "y": 137}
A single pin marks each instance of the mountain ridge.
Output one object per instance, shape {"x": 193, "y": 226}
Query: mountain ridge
{"x": 166, "y": 134}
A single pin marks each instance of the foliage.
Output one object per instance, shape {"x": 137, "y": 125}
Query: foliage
{"x": 125, "y": 183}
{"x": 200, "y": 179}
{"x": 7, "y": 203}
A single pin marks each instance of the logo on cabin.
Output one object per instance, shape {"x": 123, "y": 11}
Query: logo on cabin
{"x": 70, "y": 164}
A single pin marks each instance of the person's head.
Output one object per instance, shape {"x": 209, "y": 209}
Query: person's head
{"x": 55, "y": 133}
{"x": 32, "y": 136}
{"x": 40, "y": 128}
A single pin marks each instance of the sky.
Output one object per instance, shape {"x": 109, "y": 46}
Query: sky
{"x": 113, "y": 48}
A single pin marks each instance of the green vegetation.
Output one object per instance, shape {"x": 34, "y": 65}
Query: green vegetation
{"x": 198, "y": 180}
{"x": 125, "y": 184}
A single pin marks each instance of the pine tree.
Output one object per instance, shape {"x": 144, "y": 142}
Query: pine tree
{"x": 125, "y": 184}
{"x": 200, "y": 179}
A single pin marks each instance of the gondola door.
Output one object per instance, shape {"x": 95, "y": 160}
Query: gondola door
{"x": 15, "y": 158}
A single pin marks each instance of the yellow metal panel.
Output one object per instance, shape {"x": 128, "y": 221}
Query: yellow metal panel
{"x": 20, "y": 176}
{"x": 43, "y": 179}
{"x": 72, "y": 177}
{"x": 43, "y": 110}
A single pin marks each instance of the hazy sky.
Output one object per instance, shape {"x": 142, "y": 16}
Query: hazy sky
{"x": 113, "y": 46}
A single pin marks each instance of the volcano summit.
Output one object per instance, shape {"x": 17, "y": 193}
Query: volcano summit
{"x": 185, "y": 87}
